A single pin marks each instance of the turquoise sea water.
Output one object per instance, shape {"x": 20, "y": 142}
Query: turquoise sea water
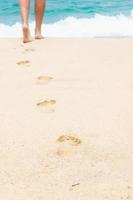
{"x": 60, "y": 9}
{"x": 73, "y": 18}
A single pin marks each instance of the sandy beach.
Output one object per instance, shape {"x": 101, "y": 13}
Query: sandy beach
{"x": 66, "y": 119}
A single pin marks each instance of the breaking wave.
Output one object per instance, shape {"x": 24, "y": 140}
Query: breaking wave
{"x": 98, "y": 26}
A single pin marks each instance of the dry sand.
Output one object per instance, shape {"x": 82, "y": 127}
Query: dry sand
{"x": 66, "y": 119}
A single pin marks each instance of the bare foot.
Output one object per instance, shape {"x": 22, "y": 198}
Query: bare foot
{"x": 38, "y": 35}
{"x": 26, "y": 34}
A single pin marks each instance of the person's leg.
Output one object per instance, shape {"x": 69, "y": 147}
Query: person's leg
{"x": 39, "y": 12}
{"x": 24, "y": 7}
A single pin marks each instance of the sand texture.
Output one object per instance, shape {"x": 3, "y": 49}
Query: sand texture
{"x": 66, "y": 119}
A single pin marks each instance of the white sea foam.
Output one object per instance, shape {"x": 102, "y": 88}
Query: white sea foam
{"x": 98, "y": 26}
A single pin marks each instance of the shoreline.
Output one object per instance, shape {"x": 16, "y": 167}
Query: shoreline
{"x": 74, "y": 37}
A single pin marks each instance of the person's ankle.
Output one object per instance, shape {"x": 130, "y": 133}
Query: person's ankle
{"x": 26, "y": 33}
{"x": 37, "y": 31}
{"x": 25, "y": 25}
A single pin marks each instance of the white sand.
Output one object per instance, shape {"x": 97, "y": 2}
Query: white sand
{"x": 87, "y": 93}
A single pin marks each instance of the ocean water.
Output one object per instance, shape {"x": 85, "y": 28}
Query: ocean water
{"x": 73, "y": 18}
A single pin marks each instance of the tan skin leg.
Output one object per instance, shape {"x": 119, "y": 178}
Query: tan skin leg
{"x": 39, "y": 12}
{"x": 24, "y": 7}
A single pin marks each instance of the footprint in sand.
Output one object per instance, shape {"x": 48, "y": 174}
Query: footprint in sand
{"x": 46, "y": 106}
{"x": 68, "y": 142}
{"x": 29, "y": 50}
{"x": 69, "y": 139}
{"x": 64, "y": 152}
{"x": 24, "y": 63}
{"x": 43, "y": 79}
